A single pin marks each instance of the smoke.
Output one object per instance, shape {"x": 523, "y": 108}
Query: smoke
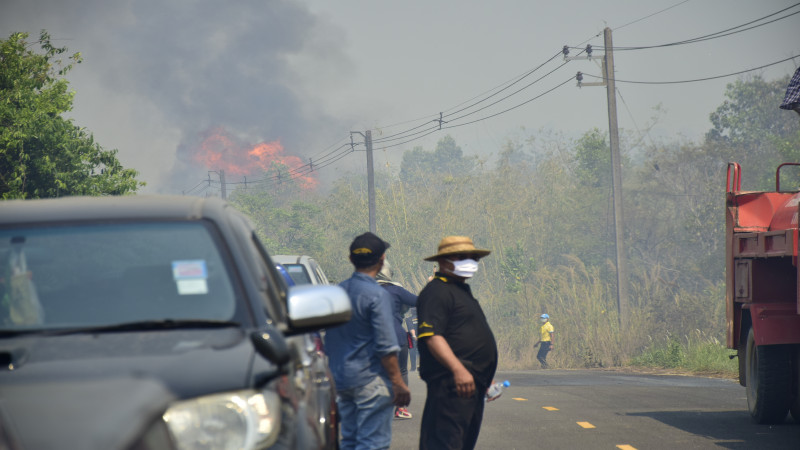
{"x": 157, "y": 76}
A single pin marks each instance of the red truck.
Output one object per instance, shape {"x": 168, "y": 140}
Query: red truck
{"x": 763, "y": 295}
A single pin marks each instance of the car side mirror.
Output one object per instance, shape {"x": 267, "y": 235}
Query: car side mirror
{"x": 312, "y": 307}
{"x": 270, "y": 344}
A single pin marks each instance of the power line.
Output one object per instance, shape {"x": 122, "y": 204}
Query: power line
{"x": 516, "y": 106}
{"x": 648, "y": 16}
{"x": 632, "y": 22}
{"x": 188, "y": 191}
{"x": 719, "y": 34}
{"x": 700, "y": 79}
{"x": 505, "y": 86}
{"x": 333, "y": 157}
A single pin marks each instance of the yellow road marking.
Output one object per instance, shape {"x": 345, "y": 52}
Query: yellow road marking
{"x": 520, "y": 399}
{"x": 586, "y": 425}
{"x": 550, "y": 408}
{"x": 626, "y": 447}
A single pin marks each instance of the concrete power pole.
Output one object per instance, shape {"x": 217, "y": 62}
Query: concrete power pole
{"x": 370, "y": 182}
{"x": 370, "y": 177}
{"x": 616, "y": 168}
{"x": 616, "y": 182}
{"x": 222, "y": 191}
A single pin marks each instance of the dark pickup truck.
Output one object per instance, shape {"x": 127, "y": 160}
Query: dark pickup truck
{"x": 153, "y": 322}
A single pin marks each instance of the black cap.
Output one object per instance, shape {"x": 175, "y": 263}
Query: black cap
{"x": 367, "y": 249}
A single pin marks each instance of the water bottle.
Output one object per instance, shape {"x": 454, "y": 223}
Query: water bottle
{"x": 496, "y": 390}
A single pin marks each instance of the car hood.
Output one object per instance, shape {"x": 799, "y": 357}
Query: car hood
{"x": 188, "y": 362}
{"x": 102, "y": 390}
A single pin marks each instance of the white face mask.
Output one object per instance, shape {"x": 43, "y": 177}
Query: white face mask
{"x": 543, "y": 320}
{"x": 465, "y": 268}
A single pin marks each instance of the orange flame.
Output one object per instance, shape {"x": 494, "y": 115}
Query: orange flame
{"x": 219, "y": 150}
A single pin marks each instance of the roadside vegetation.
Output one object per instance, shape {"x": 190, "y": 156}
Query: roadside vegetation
{"x": 696, "y": 354}
{"x": 542, "y": 204}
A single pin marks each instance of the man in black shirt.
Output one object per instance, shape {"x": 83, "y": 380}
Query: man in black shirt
{"x": 458, "y": 352}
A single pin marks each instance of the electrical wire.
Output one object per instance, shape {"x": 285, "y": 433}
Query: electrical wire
{"x": 718, "y": 34}
{"x": 516, "y": 106}
{"x": 505, "y": 86}
{"x": 188, "y": 191}
{"x": 425, "y": 132}
{"x": 650, "y": 15}
{"x": 700, "y": 79}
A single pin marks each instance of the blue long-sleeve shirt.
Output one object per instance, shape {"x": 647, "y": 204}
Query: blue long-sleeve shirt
{"x": 355, "y": 348}
{"x": 401, "y": 297}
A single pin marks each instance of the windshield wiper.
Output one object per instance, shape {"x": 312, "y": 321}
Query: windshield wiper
{"x": 15, "y": 333}
{"x": 166, "y": 324}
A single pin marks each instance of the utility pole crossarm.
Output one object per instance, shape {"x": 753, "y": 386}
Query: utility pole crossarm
{"x": 587, "y": 57}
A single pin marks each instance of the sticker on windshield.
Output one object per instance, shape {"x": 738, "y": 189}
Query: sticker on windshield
{"x": 190, "y": 276}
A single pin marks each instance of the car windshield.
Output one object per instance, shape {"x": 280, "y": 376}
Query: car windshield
{"x": 112, "y": 273}
{"x": 298, "y": 273}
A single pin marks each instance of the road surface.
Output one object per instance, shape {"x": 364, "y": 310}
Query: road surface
{"x": 603, "y": 409}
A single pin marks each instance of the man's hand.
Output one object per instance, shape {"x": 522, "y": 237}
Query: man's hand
{"x": 402, "y": 395}
{"x": 465, "y": 383}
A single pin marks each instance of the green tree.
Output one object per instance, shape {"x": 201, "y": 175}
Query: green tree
{"x": 286, "y": 224}
{"x": 42, "y": 154}
{"x": 751, "y": 129}
{"x": 593, "y": 156}
{"x": 446, "y": 162}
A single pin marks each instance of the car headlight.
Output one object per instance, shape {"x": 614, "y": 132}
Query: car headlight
{"x": 233, "y": 420}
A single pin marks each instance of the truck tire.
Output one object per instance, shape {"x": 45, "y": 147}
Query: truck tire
{"x": 769, "y": 382}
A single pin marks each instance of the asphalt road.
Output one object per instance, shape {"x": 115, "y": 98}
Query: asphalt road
{"x": 601, "y": 409}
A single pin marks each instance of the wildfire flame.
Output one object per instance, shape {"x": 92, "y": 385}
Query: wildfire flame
{"x": 219, "y": 150}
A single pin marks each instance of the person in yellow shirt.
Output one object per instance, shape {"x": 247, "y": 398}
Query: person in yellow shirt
{"x": 545, "y": 340}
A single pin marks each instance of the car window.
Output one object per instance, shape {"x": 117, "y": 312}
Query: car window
{"x": 110, "y": 273}
{"x": 298, "y": 273}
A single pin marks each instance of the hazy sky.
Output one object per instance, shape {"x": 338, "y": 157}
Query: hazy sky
{"x": 159, "y": 77}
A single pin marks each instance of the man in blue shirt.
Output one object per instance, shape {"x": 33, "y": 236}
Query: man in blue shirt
{"x": 363, "y": 354}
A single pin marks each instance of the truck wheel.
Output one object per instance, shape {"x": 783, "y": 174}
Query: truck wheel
{"x": 769, "y": 381}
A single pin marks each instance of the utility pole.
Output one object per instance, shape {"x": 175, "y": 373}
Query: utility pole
{"x": 370, "y": 183}
{"x": 222, "y": 191}
{"x": 616, "y": 170}
{"x": 616, "y": 181}
{"x": 370, "y": 178}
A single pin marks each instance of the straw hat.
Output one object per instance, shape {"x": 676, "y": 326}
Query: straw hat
{"x": 457, "y": 245}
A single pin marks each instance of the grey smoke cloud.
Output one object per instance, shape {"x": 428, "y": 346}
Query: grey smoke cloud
{"x": 157, "y": 75}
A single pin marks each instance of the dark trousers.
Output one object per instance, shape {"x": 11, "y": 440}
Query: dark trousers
{"x": 449, "y": 421}
{"x": 402, "y": 360}
{"x": 544, "y": 348}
